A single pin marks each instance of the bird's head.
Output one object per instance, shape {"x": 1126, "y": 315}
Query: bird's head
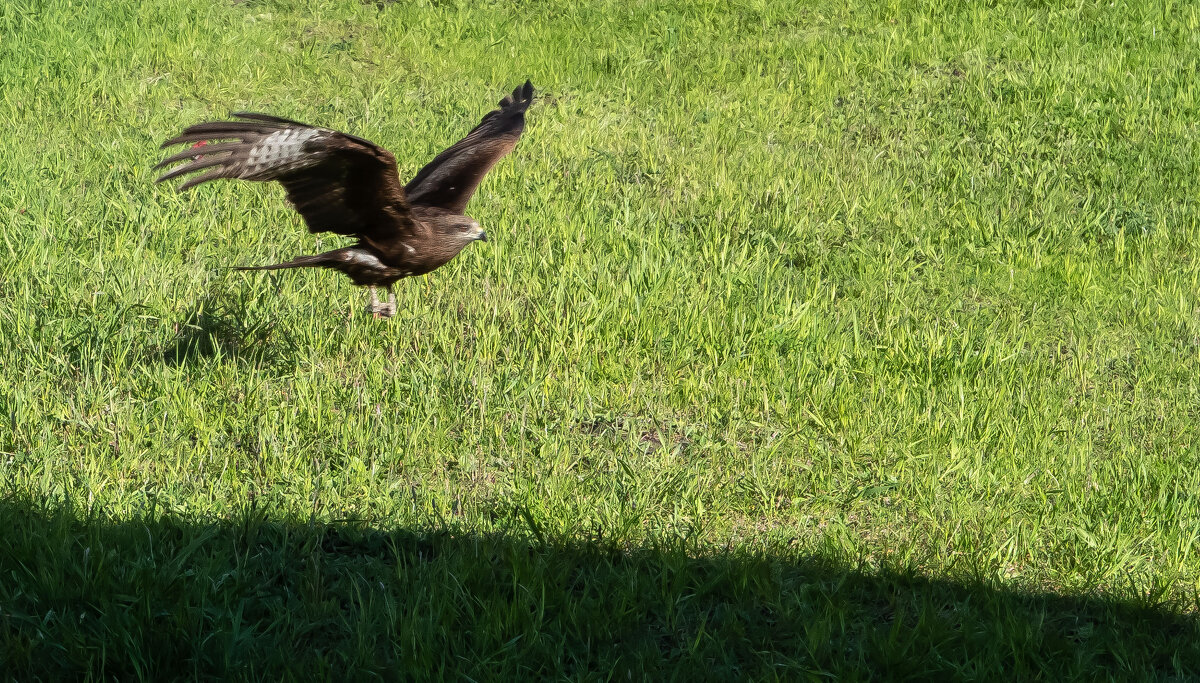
{"x": 467, "y": 230}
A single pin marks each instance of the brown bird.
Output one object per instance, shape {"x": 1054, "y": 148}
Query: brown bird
{"x": 345, "y": 184}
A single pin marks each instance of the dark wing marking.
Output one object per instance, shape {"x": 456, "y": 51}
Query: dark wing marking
{"x": 451, "y": 178}
{"x": 337, "y": 182}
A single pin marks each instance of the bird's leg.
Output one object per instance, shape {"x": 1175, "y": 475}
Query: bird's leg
{"x": 378, "y": 308}
{"x": 373, "y": 305}
{"x": 389, "y": 309}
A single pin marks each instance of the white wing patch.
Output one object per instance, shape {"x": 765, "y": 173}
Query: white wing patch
{"x": 281, "y": 151}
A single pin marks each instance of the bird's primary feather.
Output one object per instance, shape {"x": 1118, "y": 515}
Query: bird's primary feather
{"x": 451, "y": 178}
{"x": 337, "y": 182}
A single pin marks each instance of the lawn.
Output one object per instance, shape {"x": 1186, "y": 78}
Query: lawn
{"x": 812, "y": 341}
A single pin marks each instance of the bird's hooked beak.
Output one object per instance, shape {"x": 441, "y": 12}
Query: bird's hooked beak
{"x": 480, "y": 234}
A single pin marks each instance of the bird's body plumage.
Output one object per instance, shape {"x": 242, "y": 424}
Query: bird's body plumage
{"x": 350, "y": 186}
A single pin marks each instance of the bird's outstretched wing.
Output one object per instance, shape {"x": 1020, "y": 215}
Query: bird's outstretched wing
{"x": 450, "y": 179}
{"x": 338, "y": 182}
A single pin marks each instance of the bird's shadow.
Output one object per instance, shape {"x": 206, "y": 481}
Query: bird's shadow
{"x": 226, "y": 325}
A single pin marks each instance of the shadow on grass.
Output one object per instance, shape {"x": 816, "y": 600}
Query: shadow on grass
{"x": 162, "y": 597}
{"x": 218, "y": 327}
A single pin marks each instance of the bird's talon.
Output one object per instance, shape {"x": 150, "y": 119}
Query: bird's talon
{"x": 381, "y": 310}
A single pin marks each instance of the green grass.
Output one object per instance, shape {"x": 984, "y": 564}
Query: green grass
{"x": 809, "y": 341}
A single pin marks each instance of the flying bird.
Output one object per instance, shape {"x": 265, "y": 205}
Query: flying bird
{"x": 350, "y": 186}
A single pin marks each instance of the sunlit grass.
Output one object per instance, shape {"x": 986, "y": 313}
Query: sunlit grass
{"x": 905, "y": 291}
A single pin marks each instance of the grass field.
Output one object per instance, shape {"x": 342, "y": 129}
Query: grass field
{"x": 810, "y": 342}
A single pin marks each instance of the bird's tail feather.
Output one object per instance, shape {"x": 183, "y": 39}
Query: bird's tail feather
{"x": 361, "y": 264}
{"x": 315, "y": 261}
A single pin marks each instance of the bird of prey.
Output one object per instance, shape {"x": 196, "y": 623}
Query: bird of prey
{"x": 350, "y": 186}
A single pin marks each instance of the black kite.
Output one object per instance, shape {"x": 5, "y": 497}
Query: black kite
{"x": 345, "y": 184}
